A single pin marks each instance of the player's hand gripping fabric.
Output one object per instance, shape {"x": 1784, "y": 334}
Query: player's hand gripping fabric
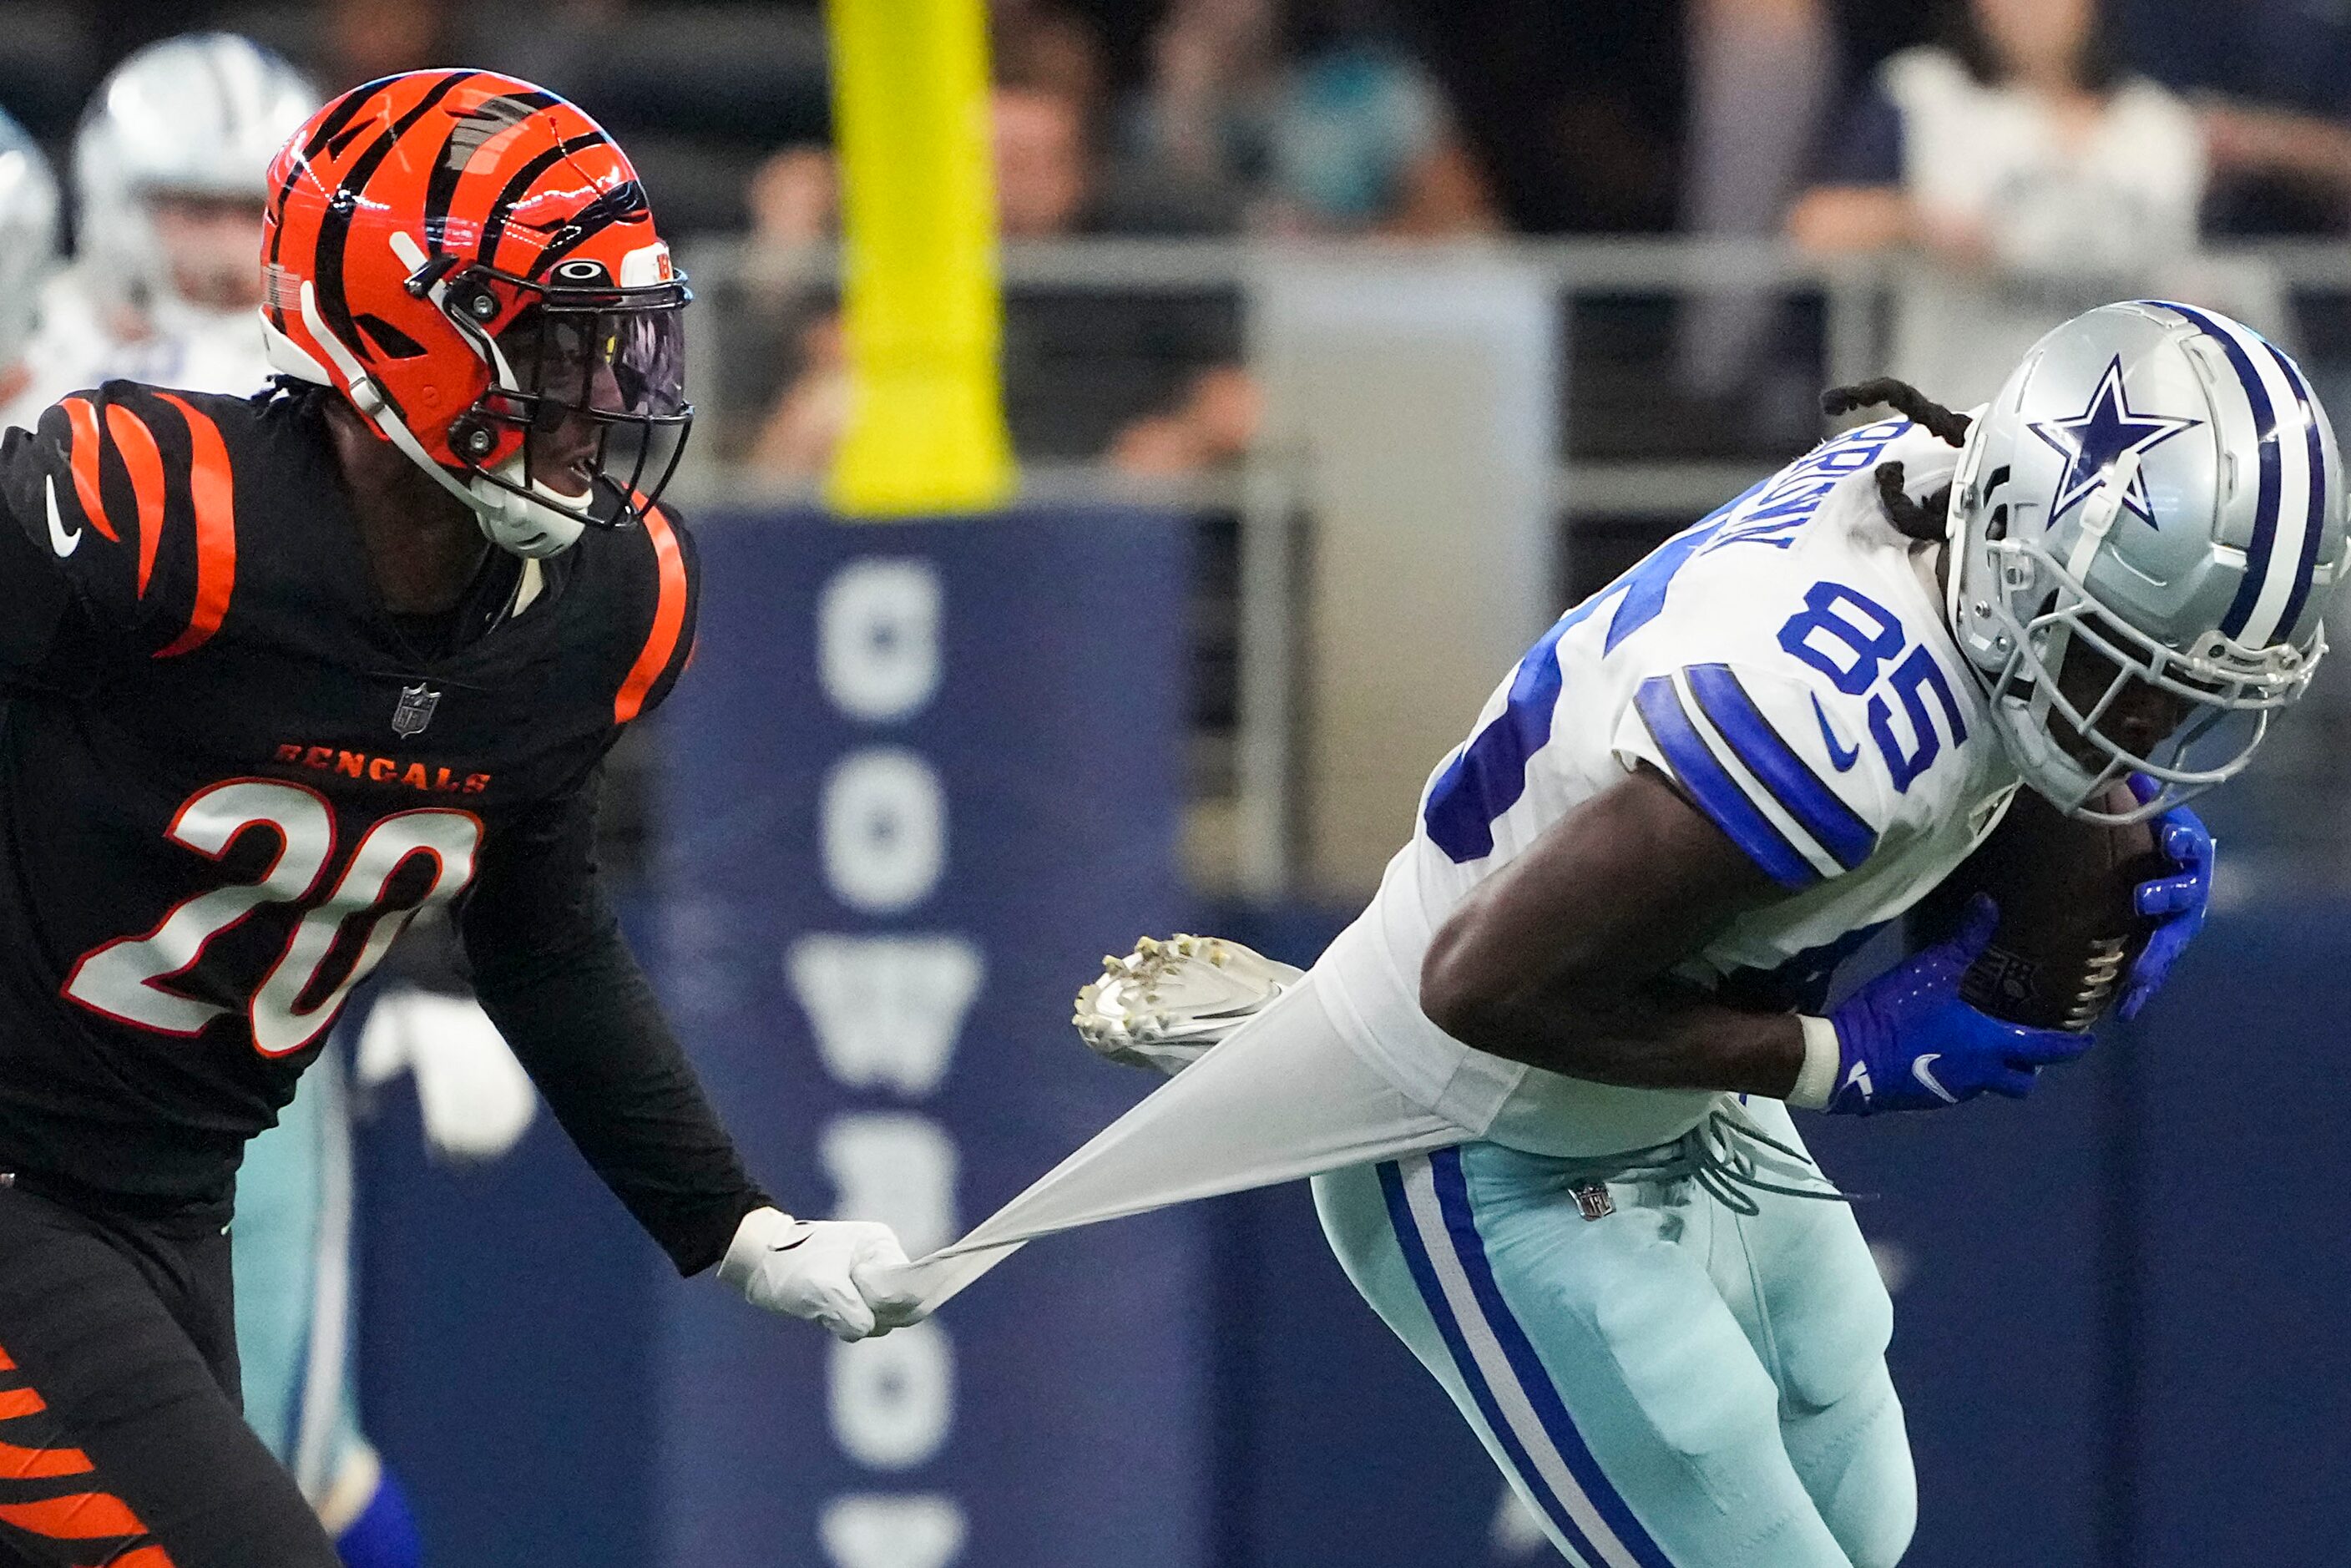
{"x": 821, "y": 1269}
{"x": 2176, "y": 903}
{"x": 1905, "y": 1041}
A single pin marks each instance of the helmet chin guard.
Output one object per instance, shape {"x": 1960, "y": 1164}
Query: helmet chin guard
{"x": 519, "y": 519}
{"x": 2148, "y": 516}
{"x": 509, "y": 515}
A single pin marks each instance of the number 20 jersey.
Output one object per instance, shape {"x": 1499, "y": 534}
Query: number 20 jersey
{"x": 227, "y": 780}
{"x": 1786, "y": 663}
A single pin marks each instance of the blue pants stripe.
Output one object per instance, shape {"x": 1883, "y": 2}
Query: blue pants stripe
{"x": 1424, "y": 1274}
{"x": 1461, "y": 1225}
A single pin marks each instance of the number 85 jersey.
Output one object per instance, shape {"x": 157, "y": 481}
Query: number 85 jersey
{"x": 1786, "y": 663}
{"x": 229, "y": 777}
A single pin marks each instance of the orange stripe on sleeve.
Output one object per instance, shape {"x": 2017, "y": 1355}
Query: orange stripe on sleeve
{"x": 83, "y": 420}
{"x": 16, "y": 1402}
{"x": 146, "y": 1557}
{"x": 20, "y": 1464}
{"x": 77, "y": 1516}
{"x": 214, "y": 495}
{"x": 137, "y": 445}
{"x": 669, "y": 619}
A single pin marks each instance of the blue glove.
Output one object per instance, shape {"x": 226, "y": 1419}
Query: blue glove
{"x": 1907, "y": 1043}
{"x": 2175, "y": 903}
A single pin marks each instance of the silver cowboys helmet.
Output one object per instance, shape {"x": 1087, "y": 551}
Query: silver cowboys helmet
{"x": 28, "y": 237}
{"x": 2155, "y": 495}
{"x": 199, "y": 116}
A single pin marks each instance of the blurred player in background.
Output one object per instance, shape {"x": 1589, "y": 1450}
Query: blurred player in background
{"x": 1546, "y": 1077}
{"x": 168, "y": 195}
{"x": 28, "y": 248}
{"x": 292, "y": 1244}
{"x": 284, "y": 670}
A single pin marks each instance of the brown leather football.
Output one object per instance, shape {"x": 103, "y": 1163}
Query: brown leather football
{"x": 2067, "y": 930}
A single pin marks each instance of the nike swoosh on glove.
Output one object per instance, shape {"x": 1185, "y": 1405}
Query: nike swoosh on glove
{"x": 2176, "y": 903}
{"x": 821, "y": 1269}
{"x": 1907, "y": 1042}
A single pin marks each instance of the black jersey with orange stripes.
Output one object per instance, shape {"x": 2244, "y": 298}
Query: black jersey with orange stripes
{"x": 227, "y": 775}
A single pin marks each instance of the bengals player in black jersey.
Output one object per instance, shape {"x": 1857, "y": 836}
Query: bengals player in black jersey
{"x": 278, "y": 673}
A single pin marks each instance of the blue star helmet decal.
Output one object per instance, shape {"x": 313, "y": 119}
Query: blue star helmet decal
{"x": 2101, "y": 436}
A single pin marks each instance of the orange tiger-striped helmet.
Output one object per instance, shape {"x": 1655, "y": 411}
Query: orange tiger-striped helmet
{"x": 471, "y": 261}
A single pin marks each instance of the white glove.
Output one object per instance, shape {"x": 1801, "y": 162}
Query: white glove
{"x": 476, "y": 1099}
{"x": 821, "y": 1269}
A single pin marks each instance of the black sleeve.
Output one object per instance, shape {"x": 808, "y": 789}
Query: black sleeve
{"x": 554, "y": 974}
{"x": 33, "y": 592}
{"x": 33, "y": 601}
{"x": 102, "y": 544}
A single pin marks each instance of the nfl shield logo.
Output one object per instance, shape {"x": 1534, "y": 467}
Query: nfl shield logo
{"x": 415, "y": 710}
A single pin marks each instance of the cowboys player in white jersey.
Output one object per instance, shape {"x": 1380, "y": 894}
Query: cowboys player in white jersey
{"x": 28, "y": 248}
{"x": 167, "y": 182}
{"x": 1544, "y": 1080}
{"x": 169, "y": 173}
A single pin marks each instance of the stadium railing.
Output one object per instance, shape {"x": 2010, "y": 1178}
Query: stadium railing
{"x": 1686, "y": 370}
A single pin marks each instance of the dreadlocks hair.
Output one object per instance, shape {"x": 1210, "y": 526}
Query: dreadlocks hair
{"x": 1911, "y": 519}
{"x": 1950, "y": 428}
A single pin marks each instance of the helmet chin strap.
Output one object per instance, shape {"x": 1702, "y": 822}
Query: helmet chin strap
{"x": 519, "y": 525}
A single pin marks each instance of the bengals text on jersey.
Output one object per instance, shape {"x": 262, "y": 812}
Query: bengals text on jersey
{"x": 228, "y": 777}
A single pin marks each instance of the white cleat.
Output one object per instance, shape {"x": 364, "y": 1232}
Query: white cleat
{"x": 1167, "y": 1002}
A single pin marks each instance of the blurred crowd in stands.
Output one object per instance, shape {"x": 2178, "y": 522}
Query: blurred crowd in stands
{"x": 2029, "y": 154}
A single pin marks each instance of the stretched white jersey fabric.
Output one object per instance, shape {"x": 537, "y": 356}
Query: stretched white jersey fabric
{"x": 1786, "y": 662}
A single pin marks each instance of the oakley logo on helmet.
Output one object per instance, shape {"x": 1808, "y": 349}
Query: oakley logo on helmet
{"x": 442, "y": 248}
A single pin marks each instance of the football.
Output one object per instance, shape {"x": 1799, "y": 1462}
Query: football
{"x": 2067, "y": 930}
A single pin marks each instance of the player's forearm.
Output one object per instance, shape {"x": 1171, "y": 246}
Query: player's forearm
{"x": 592, "y": 1037}
{"x": 633, "y": 1106}
{"x": 1562, "y": 959}
{"x": 1660, "y": 1037}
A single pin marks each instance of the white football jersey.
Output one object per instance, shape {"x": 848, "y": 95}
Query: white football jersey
{"x": 1787, "y": 664}
{"x": 75, "y": 348}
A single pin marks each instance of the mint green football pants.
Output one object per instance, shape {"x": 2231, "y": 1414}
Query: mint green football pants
{"x": 290, "y": 1248}
{"x": 1673, "y": 1385}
